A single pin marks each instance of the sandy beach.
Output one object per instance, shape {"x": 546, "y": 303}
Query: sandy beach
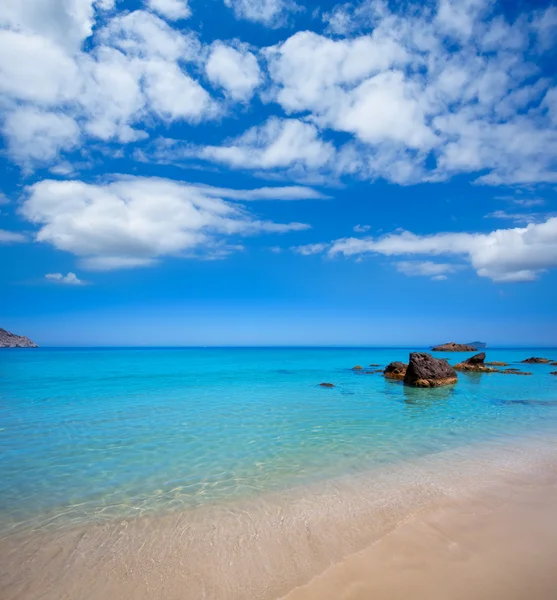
{"x": 476, "y": 549}
{"x": 459, "y": 524}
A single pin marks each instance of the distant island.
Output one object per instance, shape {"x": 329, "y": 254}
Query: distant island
{"x": 10, "y": 340}
{"x": 478, "y": 345}
{"x": 454, "y": 347}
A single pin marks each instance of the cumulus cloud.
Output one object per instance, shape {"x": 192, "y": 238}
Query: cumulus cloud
{"x": 135, "y": 221}
{"x": 234, "y": 69}
{"x": 134, "y": 75}
{"x": 277, "y": 144}
{"x": 38, "y": 136}
{"x": 69, "y": 279}
{"x": 426, "y": 93}
{"x": 518, "y": 254}
{"x": 272, "y": 13}
{"x": 171, "y": 9}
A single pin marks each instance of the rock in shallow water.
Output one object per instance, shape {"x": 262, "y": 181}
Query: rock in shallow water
{"x": 474, "y": 363}
{"x": 536, "y": 360}
{"x": 395, "y": 370}
{"x": 327, "y": 385}
{"x": 425, "y": 371}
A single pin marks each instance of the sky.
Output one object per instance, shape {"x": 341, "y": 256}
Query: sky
{"x": 272, "y": 172}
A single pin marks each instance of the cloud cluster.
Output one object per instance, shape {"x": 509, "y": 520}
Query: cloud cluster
{"x": 413, "y": 94}
{"x": 135, "y": 221}
{"x": 504, "y": 255}
{"x": 420, "y": 94}
{"x": 139, "y": 70}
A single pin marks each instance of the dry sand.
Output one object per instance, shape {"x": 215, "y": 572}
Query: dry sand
{"x": 470, "y": 551}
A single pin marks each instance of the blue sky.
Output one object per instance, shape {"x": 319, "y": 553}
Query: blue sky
{"x": 182, "y": 172}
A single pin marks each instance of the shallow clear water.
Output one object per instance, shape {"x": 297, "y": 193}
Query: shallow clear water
{"x": 96, "y": 433}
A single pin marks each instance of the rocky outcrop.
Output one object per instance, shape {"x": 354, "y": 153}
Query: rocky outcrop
{"x": 536, "y": 360}
{"x": 10, "y": 340}
{"x": 395, "y": 370}
{"x": 425, "y": 371}
{"x": 327, "y": 385}
{"x": 474, "y": 363}
{"x": 454, "y": 347}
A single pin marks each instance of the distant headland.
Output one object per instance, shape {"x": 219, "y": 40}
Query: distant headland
{"x": 10, "y": 340}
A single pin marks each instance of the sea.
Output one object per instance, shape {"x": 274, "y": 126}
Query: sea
{"x": 157, "y": 439}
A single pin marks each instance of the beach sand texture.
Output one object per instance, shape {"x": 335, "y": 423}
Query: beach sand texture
{"x": 450, "y": 526}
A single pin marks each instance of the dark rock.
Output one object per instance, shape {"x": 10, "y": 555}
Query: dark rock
{"x": 374, "y": 365}
{"x": 553, "y": 373}
{"x": 453, "y": 347}
{"x": 425, "y": 371}
{"x": 10, "y": 340}
{"x": 327, "y": 385}
{"x": 497, "y": 363}
{"x": 395, "y": 370}
{"x": 474, "y": 363}
{"x": 535, "y": 360}
{"x": 357, "y": 368}
{"x": 553, "y": 364}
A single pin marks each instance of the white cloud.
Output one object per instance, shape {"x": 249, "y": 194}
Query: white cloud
{"x": 277, "y": 144}
{"x": 3, "y": 198}
{"x": 39, "y": 136}
{"x": 171, "y": 9}
{"x": 8, "y": 237}
{"x": 69, "y": 279}
{"x": 427, "y": 93}
{"x": 65, "y": 22}
{"x": 234, "y": 69}
{"x": 135, "y": 221}
{"x": 272, "y": 13}
{"x": 516, "y": 217}
{"x": 433, "y": 270}
{"x": 361, "y": 228}
{"x": 309, "y": 249}
{"x": 519, "y": 254}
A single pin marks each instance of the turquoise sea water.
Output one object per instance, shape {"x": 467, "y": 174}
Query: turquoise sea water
{"x": 87, "y": 434}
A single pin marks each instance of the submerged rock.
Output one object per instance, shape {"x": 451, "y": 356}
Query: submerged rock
{"x": 374, "y": 365}
{"x": 11, "y": 340}
{"x": 536, "y": 360}
{"x": 454, "y": 347}
{"x": 497, "y": 363}
{"x": 395, "y": 370}
{"x": 514, "y": 372}
{"x": 327, "y": 385}
{"x": 357, "y": 368}
{"x": 474, "y": 363}
{"x": 426, "y": 371}
{"x": 553, "y": 373}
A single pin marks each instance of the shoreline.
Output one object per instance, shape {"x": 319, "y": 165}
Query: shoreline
{"x": 266, "y": 547}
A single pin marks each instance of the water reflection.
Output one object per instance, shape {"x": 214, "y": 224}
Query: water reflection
{"x": 423, "y": 398}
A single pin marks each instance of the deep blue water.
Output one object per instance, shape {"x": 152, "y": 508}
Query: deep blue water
{"x": 96, "y": 433}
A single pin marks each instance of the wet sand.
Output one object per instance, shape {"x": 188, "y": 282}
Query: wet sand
{"x": 475, "y": 550}
{"x": 471, "y": 523}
